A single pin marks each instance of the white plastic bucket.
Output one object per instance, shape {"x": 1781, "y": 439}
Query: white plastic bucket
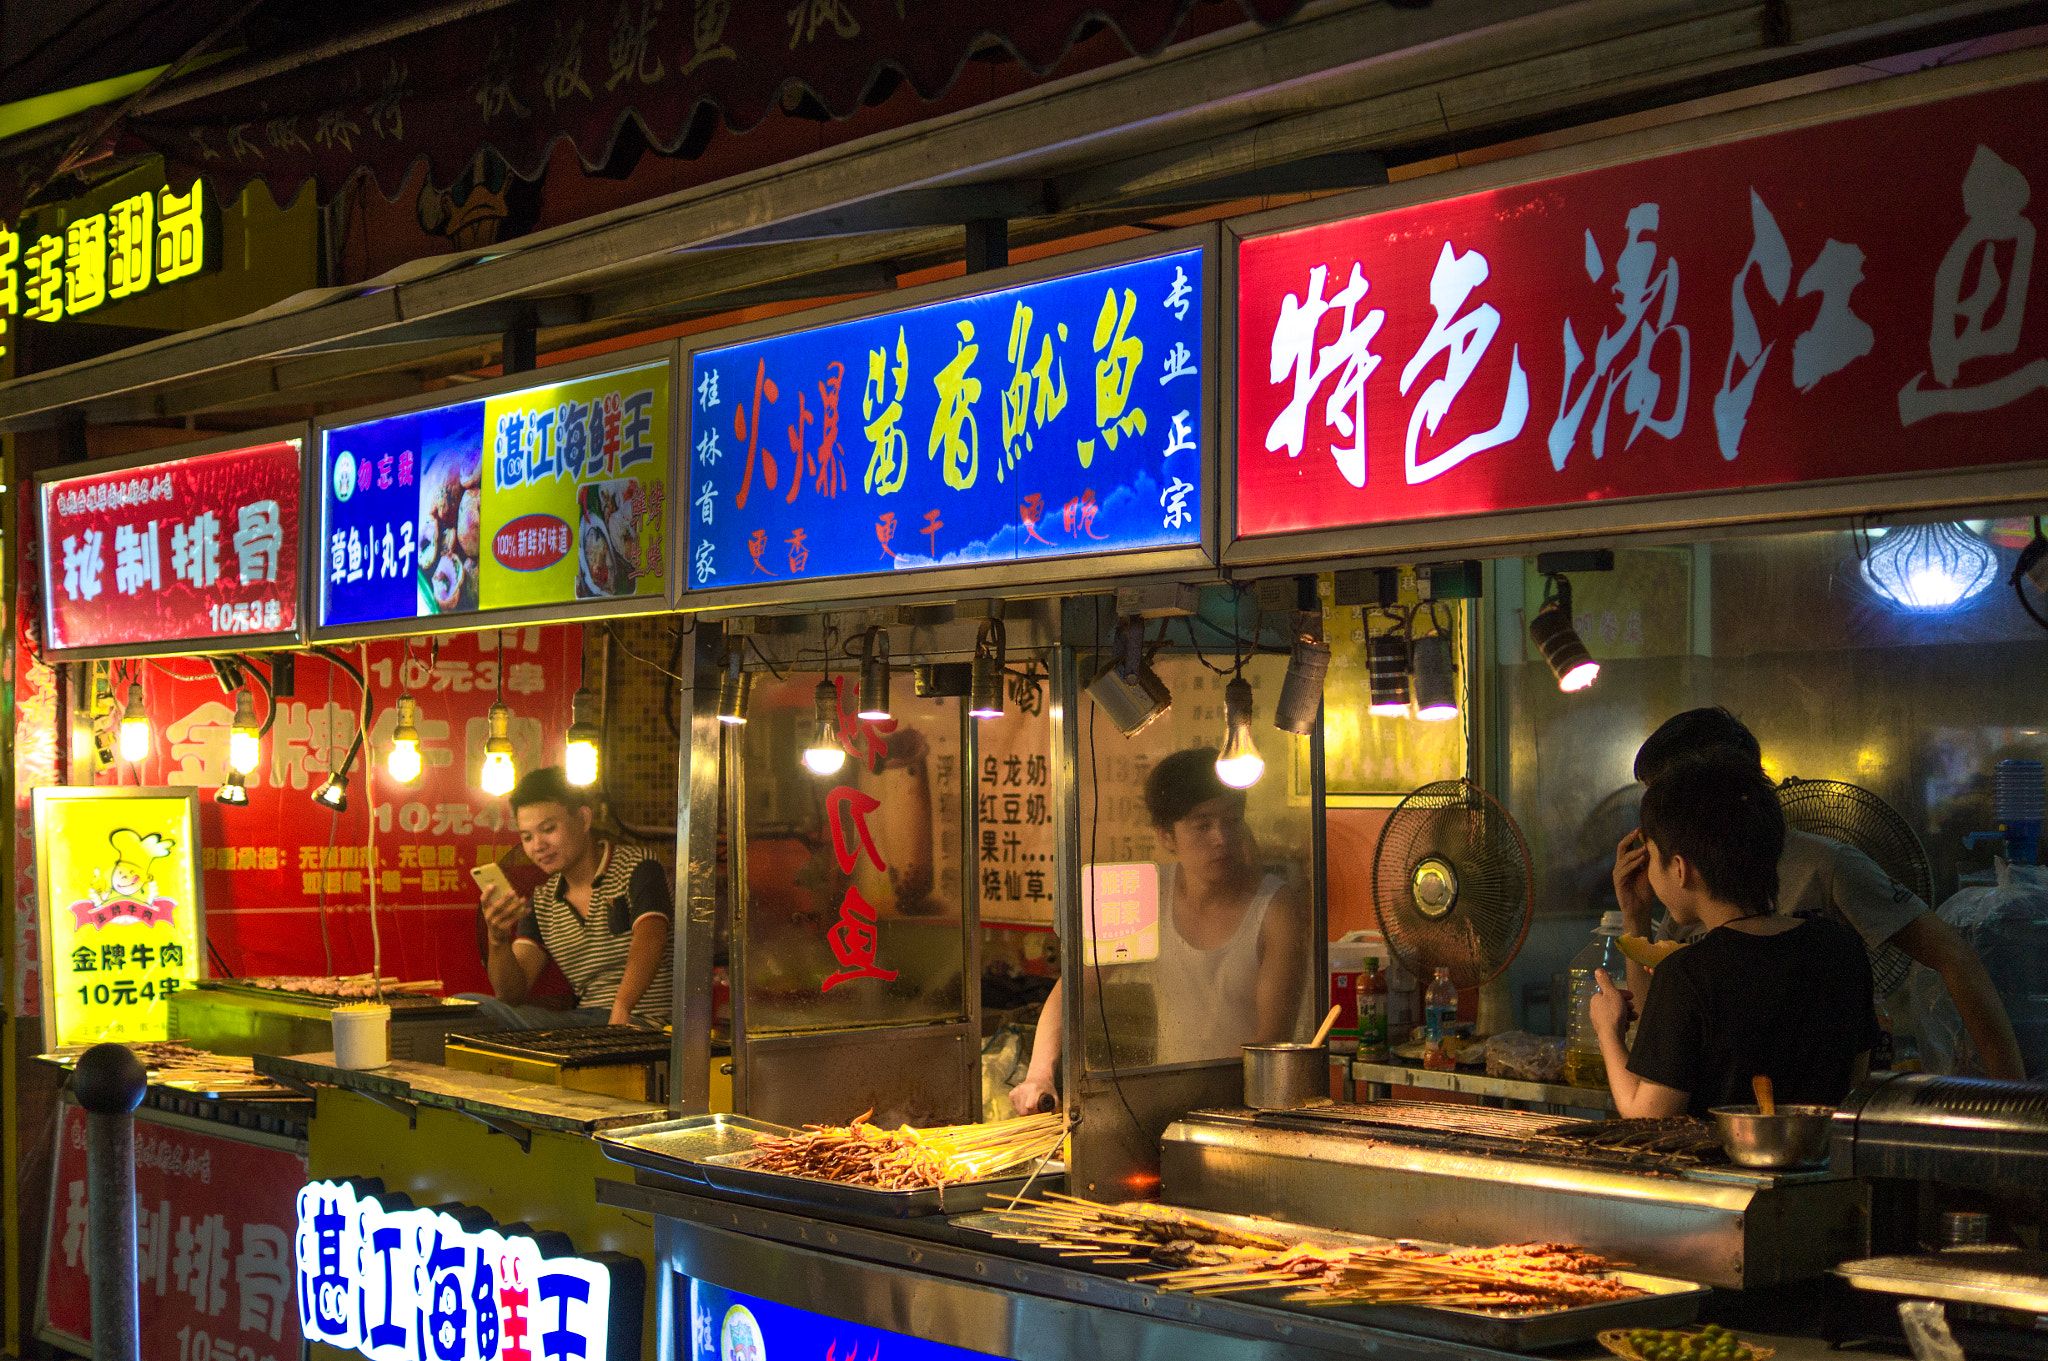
{"x": 362, "y": 1036}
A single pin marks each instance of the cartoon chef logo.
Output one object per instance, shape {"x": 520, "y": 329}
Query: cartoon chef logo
{"x": 739, "y": 1337}
{"x": 129, "y": 894}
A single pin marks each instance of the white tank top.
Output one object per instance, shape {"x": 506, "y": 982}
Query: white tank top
{"x": 1208, "y": 1000}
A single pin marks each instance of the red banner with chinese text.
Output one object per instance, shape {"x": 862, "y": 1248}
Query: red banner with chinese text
{"x": 188, "y": 550}
{"x": 285, "y": 878}
{"x": 214, "y": 1219}
{"x": 1839, "y": 301}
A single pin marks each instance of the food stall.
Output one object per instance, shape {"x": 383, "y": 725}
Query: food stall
{"x": 1177, "y": 1218}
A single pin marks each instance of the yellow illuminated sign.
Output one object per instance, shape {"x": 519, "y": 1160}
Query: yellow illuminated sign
{"x": 123, "y": 925}
{"x": 142, "y": 242}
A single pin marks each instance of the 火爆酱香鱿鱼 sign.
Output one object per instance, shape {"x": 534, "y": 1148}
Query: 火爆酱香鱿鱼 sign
{"x": 123, "y": 925}
{"x": 377, "y": 1275}
{"x": 1840, "y": 301}
{"x": 1048, "y": 419}
{"x": 549, "y": 495}
{"x": 161, "y": 555}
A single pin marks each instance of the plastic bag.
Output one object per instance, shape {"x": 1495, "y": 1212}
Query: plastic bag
{"x": 1531, "y": 1058}
{"x": 2007, "y": 925}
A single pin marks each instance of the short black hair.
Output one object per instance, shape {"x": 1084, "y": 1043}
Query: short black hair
{"x": 1695, "y": 732}
{"x": 1720, "y": 811}
{"x": 549, "y": 785}
{"x": 1181, "y": 782}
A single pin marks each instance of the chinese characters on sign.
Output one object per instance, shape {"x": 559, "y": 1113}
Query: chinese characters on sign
{"x": 544, "y": 496}
{"x": 1741, "y": 315}
{"x": 1013, "y": 861}
{"x": 1120, "y": 913}
{"x": 213, "y": 1224}
{"x": 1051, "y": 419}
{"x": 138, "y": 244}
{"x": 374, "y": 1275}
{"x": 188, "y": 550}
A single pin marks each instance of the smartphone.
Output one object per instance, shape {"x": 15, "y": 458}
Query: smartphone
{"x": 493, "y": 877}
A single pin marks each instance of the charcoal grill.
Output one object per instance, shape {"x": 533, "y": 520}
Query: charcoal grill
{"x": 617, "y": 1060}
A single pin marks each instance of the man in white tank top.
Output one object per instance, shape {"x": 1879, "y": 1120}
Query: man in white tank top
{"x": 1233, "y": 940}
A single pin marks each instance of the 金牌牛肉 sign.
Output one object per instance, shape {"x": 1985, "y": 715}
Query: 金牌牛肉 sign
{"x": 1053, "y": 418}
{"x": 171, "y": 554}
{"x": 376, "y": 1275}
{"x": 1841, "y": 301}
{"x": 545, "y": 495}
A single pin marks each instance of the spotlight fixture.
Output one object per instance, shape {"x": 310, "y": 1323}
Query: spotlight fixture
{"x": 1127, "y": 690}
{"x": 579, "y": 757}
{"x": 1930, "y": 568}
{"x": 1558, "y": 640}
{"x": 404, "y": 763}
{"x": 1387, "y": 669}
{"x": 499, "y": 774}
{"x": 243, "y": 752}
{"x": 134, "y": 725}
{"x": 1301, "y": 691}
{"x": 733, "y": 689}
{"x": 874, "y": 676}
{"x": 985, "y": 694}
{"x": 334, "y": 793}
{"x": 825, "y": 755}
{"x": 1436, "y": 679}
{"x": 232, "y": 791}
{"x": 1240, "y": 765}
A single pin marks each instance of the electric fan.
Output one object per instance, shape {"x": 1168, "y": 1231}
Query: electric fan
{"x": 1451, "y": 883}
{"x": 1856, "y": 817}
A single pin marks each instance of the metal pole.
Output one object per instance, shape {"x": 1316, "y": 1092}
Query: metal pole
{"x": 109, "y": 1083}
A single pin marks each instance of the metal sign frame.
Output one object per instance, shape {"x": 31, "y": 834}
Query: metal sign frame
{"x": 299, "y": 433}
{"x": 1686, "y": 516}
{"x": 517, "y": 616}
{"x": 991, "y": 577}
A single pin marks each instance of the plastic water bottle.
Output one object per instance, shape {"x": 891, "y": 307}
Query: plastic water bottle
{"x": 1583, "y": 1065}
{"x": 1440, "y": 1007}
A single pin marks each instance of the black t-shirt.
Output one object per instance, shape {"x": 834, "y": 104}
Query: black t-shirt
{"x": 1795, "y": 1005}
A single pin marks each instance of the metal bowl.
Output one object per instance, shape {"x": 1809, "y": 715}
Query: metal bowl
{"x": 1796, "y": 1136}
{"x": 1285, "y": 1077}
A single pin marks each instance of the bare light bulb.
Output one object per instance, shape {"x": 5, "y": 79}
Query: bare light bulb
{"x": 579, "y": 755}
{"x": 499, "y": 774}
{"x": 825, "y": 756}
{"x": 244, "y": 749}
{"x": 1240, "y": 766}
{"x": 404, "y": 764}
{"x": 134, "y": 727}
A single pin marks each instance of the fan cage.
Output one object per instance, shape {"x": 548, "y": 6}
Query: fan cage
{"x": 1853, "y": 815}
{"x": 1460, "y": 823}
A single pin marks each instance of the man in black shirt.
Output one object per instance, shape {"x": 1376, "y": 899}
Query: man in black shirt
{"x": 1758, "y": 993}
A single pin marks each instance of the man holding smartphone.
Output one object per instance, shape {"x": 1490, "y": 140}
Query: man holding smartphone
{"x": 603, "y": 914}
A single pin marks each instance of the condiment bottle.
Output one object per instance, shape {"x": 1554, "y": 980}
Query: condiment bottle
{"x": 1372, "y": 1013}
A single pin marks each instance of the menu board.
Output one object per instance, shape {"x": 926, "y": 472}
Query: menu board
{"x": 547, "y": 495}
{"x": 167, "y": 556}
{"x": 1056, "y": 418}
{"x": 122, "y": 917}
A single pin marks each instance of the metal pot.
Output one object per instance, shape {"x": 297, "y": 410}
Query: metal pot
{"x": 1797, "y": 1136}
{"x": 1280, "y": 1077}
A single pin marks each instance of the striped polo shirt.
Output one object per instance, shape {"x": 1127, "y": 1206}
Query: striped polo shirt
{"x": 591, "y": 951}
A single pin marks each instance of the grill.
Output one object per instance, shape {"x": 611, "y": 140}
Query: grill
{"x": 1675, "y": 1146}
{"x": 617, "y": 1060}
{"x": 1968, "y": 1131}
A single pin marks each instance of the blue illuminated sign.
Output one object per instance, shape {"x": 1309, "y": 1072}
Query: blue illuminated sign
{"x": 1052, "y": 419}
{"x": 728, "y": 1326}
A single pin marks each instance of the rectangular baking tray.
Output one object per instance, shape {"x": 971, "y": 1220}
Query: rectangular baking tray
{"x": 699, "y": 1152}
{"x": 1666, "y": 1303}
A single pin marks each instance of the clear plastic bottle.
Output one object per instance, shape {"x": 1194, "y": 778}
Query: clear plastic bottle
{"x": 1372, "y": 1013}
{"x": 1583, "y": 1065}
{"x": 1440, "y": 1007}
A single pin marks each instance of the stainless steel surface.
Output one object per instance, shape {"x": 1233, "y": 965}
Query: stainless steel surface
{"x": 904, "y": 1074}
{"x": 1795, "y": 1136}
{"x": 1279, "y": 1077}
{"x": 1115, "y": 1143}
{"x": 1921, "y": 1127}
{"x": 1479, "y": 1084}
{"x": 691, "y": 1139}
{"x": 1724, "y": 1227}
{"x": 110, "y": 1237}
{"x": 2003, "y": 1278}
{"x": 404, "y": 1083}
{"x": 1665, "y": 1303}
{"x": 697, "y": 877}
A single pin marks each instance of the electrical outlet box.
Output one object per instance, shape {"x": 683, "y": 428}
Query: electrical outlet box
{"x": 941, "y": 680}
{"x": 1288, "y": 593}
{"x": 1159, "y": 600}
{"x": 1368, "y": 586}
{"x": 990, "y": 608}
{"x": 1449, "y": 580}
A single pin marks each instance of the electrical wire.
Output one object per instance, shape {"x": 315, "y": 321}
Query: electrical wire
{"x": 613, "y": 631}
{"x": 1094, "y": 831}
{"x": 763, "y": 657}
{"x": 2030, "y": 556}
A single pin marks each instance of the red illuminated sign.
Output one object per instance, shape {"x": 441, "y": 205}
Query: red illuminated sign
{"x": 1839, "y": 301}
{"x": 186, "y": 551}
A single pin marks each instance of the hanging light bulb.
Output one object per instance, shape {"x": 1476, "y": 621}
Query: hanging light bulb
{"x": 243, "y": 749}
{"x": 1558, "y": 640}
{"x": 1387, "y": 669}
{"x": 1240, "y": 765}
{"x": 232, "y": 792}
{"x": 733, "y": 689}
{"x": 874, "y": 677}
{"x": 134, "y": 726}
{"x": 825, "y": 756}
{"x": 334, "y": 793}
{"x": 1436, "y": 679}
{"x": 579, "y": 758}
{"x": 404, "y": 763}
{"x": 499, "y": 774}
{"x": 985, "y": 686}
{"x": 1927, "y": 568}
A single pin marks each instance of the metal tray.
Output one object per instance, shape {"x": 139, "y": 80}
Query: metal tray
{"x": 675, "y": 1150}
{"x": 1667, "y": 1303}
